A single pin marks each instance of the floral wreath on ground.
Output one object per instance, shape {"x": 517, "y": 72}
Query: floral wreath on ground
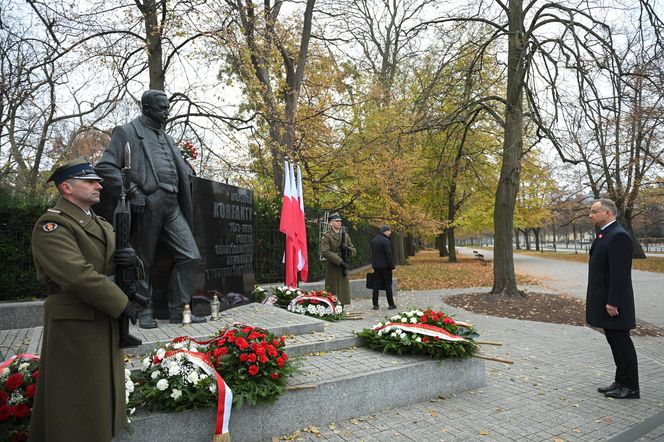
{"x": 429, "y": 332}
{"x": 284, "y": 295}
{"x": 18, "y": 383}
{"x": 169, "y": 380}
{"x": 181, "y": 375}
{"x": 319, "y": 304}
{"x": 259, "y": 294}
{"x": 252, "y": 361}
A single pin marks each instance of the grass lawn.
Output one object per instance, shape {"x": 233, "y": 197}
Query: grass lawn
{"x": 428, "y": 271}
{"x": 650, "y": 264}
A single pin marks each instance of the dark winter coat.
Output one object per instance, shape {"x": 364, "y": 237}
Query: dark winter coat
{"x": 610, "y": 280}
{"x": 381, "y": 252}
{"x": 81, "y": 387}
{"x": 335, "y": 282}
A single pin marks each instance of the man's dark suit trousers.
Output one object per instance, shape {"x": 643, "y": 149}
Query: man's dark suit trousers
{"x": 624, "y": 355}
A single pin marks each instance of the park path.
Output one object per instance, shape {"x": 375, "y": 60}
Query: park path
{"x": 572, "y": 277}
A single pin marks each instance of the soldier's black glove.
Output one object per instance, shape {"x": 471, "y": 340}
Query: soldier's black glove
{"x": 130, "y": 312}
{"x": 125, "y": 257}
{"x": 344, "y": 247}
{"x": 345, "y": 265}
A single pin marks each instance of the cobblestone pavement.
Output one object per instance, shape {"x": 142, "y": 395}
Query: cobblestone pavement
{"x": 13, "y": 342}
{"x": 548, "y": 394}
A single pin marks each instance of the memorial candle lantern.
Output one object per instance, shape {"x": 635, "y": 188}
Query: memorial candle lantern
{"x": 186, "y": 315}
{"x": 214, "y": 308}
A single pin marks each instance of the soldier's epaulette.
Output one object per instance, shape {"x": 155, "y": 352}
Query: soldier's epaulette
{"x": 53, "y": 210}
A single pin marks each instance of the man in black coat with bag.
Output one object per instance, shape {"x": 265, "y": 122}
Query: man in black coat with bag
{"x": 610, "y": 297}
{"x": 383, "y": 264}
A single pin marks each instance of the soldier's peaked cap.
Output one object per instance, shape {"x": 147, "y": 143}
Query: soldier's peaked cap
{"x": 334, "y": 217}
{"x": 79, "y": 169}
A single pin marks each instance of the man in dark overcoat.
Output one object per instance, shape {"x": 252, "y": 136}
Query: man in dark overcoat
{"x": 81, "y": 387}
{"x": 383, "y": 264}
{"x": 160, "y": 200}
{"x": 330, "y": 249}
{"x": 610, "y": 297}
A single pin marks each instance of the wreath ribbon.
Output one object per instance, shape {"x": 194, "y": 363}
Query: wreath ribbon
{"x": 26, "y": 356}
{"x": 318, "y": 298}
{"x": 424, "y": 329}
{"x": 224, "y": 393}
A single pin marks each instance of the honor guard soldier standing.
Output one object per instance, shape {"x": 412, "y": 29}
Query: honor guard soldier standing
{"x": 81, "y": 388}
{"x": 334, "y": 245}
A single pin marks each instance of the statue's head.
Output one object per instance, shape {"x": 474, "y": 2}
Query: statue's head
{"x": 154, "y": 104}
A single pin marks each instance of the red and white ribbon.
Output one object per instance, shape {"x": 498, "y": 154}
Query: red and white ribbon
{"x": 462, "y": 324}
{"x": 306, "y": 297}
{"x": 224, "y": 393}
{"x": 26, "y": 356}
{"x": 424, "y": 329}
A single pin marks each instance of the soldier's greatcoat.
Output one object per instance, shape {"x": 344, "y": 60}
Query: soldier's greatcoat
{"x": 335, "y": 282}
{"x": 81, "y": 388}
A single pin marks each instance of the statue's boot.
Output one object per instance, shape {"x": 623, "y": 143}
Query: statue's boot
{"x": 146, "y": 320}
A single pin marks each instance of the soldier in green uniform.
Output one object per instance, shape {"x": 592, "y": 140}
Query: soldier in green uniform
{"x": 330, "y": 248}
{"x": 81, "y": 387}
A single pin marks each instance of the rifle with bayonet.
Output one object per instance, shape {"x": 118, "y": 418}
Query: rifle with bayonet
{"x": 343, "y": 254}
{"x": 125, "y": 277}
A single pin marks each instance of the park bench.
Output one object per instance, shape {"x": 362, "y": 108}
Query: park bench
{"x": 480, "y": 257}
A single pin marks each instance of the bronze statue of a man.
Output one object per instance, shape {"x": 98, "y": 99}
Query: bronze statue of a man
{"x": 160, "y": 200}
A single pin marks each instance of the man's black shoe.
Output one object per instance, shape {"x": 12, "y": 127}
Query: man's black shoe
{"x": 623, "y": 393}
{"x": 392, "y": 307}
{"x": 147, "y": 321}
{"x": 611, "y": 387}
{"x": 375, "y": 307}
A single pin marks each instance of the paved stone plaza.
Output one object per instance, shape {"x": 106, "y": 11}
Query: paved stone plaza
{"x": 549, "y": 392}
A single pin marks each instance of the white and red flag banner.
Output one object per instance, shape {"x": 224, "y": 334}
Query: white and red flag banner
{"x": 302, "y": 252}
{"x": 293, "y": 226}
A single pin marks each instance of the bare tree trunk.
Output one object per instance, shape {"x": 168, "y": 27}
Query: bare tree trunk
{"x": 504, "y": 278}
{"x": 451, "y": 213}
{"x": 399, "y": 249}
{"x": 452, "y": 243}
{"x": 553, "y": 226}
{"x": 526, "y": 237}
{"x": 517, "y": 239}
{"x": 626, "y": 222}
{"x": 153, "y": 44}
{"x": 441, "y": 244}
{"x": 536, "y": 231}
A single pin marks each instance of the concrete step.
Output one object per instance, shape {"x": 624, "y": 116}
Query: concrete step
{"x": 319, "y": 342}
{"x": 330, "y": 387}
{"x": 276, "y": 320}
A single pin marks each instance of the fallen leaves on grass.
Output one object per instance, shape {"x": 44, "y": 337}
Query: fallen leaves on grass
{"x": 428, "y": 271}
{"x": 542, "y": 307}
